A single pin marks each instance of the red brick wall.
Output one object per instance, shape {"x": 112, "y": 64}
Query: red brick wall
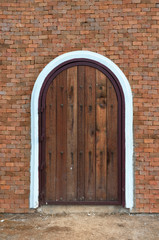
{"x": 33, "y": 32}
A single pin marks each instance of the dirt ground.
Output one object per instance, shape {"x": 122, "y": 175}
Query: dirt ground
{"x": 79, "y": 226}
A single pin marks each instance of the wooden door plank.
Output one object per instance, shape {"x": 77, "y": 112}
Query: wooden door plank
{"x": 51, "y": 142}
{"x": 61, "y": 181}
{"x": 81, "y": 137}
{"x": 101, "y": 148}
{"x": 90, "y": 133}
{"x": 72, "y": 134}
{"x": 80, "y": 133}
{"x": 112, "y": 143}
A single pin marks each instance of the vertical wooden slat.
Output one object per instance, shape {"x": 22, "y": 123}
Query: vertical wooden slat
{"x": 80, "y": 133}
{"x": 101, "y": 147}
{"x": 51, "y": 142}
{"x": 112, "y": 143}
{"x": 61, "y": 183}
{"x": 90, "y": 75}
{"x": 72, "y": 134}
{"x": 81, "y": 137}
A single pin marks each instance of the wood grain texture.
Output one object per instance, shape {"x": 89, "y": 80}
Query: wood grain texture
{"x": 72, "y": 134}
{"x": 90, "y": 76}
{"x": 81, "y": 134}
{"x": 81, "y": 137}
{"x": 101, "y": 144}
{"x": 112, "y": 143}
{"x": 61, "y": 181}
{"x": 51, "y": 142}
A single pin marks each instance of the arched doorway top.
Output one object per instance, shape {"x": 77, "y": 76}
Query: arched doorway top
{"x": 34, "y": 188}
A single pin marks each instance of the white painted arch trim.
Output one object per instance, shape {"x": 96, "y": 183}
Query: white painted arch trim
{"x": 34, "y": 185}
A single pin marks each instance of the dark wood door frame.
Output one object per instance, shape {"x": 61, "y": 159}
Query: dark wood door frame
{"x": 121, "y": 127}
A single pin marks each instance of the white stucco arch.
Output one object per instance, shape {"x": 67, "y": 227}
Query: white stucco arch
{"x": 34, "y": 178}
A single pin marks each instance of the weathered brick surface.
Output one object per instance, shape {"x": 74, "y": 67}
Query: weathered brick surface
{"x": 33, "y": 32}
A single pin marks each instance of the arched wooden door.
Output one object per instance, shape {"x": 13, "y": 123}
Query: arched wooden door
{"x": 81, "y": 138}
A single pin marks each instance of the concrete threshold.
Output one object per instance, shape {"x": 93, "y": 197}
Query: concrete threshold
{"x": 84, "y": 209}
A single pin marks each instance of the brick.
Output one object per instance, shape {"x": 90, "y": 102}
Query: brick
{"x": 125, "y": 32}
